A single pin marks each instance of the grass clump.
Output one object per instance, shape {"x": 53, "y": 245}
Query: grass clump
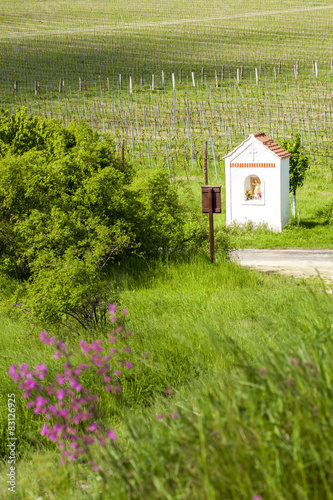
{"x": 264, "y": 428}
{"x": 259, "y": 429}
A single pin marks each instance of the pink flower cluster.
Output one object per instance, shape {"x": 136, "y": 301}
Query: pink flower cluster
{"x": 66, "y": 402}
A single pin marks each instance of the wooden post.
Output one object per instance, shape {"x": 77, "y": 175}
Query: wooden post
{"x": 211, "y": 226}
{"x": 205, "y": 164}
{"x": 211, "y": 202}
{"x": 122, "y": 154}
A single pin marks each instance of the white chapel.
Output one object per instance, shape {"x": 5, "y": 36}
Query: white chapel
{"x": 257, "y": 183}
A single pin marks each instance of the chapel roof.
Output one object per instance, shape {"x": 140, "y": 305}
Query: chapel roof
{"x": 270, "y": 144}
{"x": 266, "y": 141}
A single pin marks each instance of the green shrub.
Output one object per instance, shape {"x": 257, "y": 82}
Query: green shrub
{"x": 299, "y": 162}
{"x": 69, "y": 209}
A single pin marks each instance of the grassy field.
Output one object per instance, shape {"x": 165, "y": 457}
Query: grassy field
{"x": 181, "y": 312}
{"x": 248, "y": 355}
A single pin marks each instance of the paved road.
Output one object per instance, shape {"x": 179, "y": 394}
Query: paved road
{"x": 300, "y": 263}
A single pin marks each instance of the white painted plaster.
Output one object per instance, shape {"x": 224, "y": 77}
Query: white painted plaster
{"x": 273, "y": 208}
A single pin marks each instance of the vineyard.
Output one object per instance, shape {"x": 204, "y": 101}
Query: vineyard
{"x": 168, "y": 80}
{"x": 212, "y": 380}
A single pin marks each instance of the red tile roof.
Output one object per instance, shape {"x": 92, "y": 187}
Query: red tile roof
{"x": 270, "y": 144}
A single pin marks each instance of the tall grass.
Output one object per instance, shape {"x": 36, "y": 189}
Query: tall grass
{"x": 258, "y": 424}
{"x": 263, "y": 428}
{"x": 181, "y": 310}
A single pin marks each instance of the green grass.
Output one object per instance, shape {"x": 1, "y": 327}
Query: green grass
{"x": 239, "y": 432}
{"x": 248, "y": 432}
{"x": 312, "y": 227}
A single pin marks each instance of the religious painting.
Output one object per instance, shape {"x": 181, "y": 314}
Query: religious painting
{"x": 253, "y": 189}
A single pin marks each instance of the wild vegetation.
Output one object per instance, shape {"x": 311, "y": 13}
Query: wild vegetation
{"x": 215, "y": 381}
{"x": 70, "y": 208}
{"x": 251, "y": 412}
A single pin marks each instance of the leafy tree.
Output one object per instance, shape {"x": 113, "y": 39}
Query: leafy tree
{"x": 298, "y": 162}
{"x": 68, "y": 208}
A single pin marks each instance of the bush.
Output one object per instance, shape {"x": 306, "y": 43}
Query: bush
{"x": 298, "y": 162}
{"x": 69, "y": 209}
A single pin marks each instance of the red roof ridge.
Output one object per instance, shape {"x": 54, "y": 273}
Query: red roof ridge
{"x": 270, "y": 144}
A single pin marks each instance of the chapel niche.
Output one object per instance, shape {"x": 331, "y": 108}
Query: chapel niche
{"x": 253, "y": 189}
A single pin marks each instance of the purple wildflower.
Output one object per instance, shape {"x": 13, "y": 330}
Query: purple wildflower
{"x": 111, "y": 435}
{"x": 112, "y": 308}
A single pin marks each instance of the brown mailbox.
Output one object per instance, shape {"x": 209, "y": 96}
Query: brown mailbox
{"x": 216, "y": 199}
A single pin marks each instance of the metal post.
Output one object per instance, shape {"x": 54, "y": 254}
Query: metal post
{"x": 211, "y": 227}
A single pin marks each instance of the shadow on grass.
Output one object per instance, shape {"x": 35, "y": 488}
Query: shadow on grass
{"x": 311, "y": 223}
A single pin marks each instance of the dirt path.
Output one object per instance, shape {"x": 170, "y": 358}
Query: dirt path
{"x": 299, "y": 263}
{"x": 131, "y": 25}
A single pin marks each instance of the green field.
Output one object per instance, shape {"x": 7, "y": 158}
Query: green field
{"x": 202, "y": 325}
{"x": 248, "y": 354}
{"x": 65, "y": 61}
{"x": 96, "y": 42}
